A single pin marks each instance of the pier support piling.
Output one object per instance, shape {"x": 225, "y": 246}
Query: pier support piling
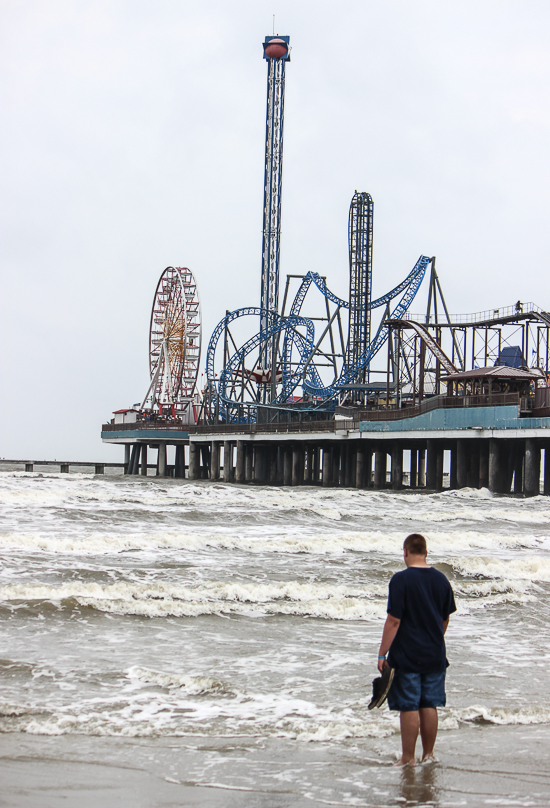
{"x": 360, "y": 468}
{"x": 413, "y": 468}
{"x": 462, "y": 463}
{"x": 134, "y": 459}
{"x": 215, "y": 460}
{"x": 422, "y": 468}
{"x": 239, "y": 467}
{"x": 380, "y": 461}
{"x": 227, "y": 461}
{"x": 327, "y": 466}
{"x": 127, "y": 448}
{"x": 179, "y": 467}
{"x": 193, "y": 461}
{"x": 532, "y": 468}
{"x": 144, "y": 460}
{"x": 397, "y": 467}
{"x": 453, "y": 480}
{"x": 162, "y": 459}
{"x": 546, "y": 489}
{"x": 473, "y": 464}
{"x": 287, "y": 465}
{"x": 308, "y": 464}
{"x": 296, "y": 465}
{"x": 431, "y": 465}
{"x": 484, "y": 464}
{"x": 273, "y": 464}
{"x": 205, "y": 462}
{"x": 439, "y": 458}
{"x": 494, "y": 466}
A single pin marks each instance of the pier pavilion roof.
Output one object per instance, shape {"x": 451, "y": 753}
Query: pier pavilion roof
{"x": 499, "y": 373}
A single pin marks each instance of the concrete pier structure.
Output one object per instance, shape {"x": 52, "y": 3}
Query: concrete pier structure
{"x": 486, "y": 446}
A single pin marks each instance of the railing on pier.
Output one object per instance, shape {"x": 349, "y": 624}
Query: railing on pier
{"x": 284, "y": 426}
{"x": 349, "y": 418}
{"x": 436, "y": 403}
{"x": 480, "y": 316}
{"x": 135, "y": 425}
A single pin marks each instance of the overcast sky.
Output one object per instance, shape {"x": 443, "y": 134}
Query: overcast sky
{"x": 132, "y": 138}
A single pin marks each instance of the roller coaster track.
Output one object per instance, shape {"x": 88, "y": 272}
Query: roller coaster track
{"x": 430, "y": 343}
{"x": 303, "y": 371}
{"x": 410, "y": 287}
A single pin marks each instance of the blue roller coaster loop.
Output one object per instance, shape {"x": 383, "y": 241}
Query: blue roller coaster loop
{"x": 305, "y": 372}
{"x": 348, "y": 374}
{"x": 276, "y": 324}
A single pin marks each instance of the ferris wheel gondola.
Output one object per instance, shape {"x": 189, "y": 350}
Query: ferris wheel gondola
{"x": 174, "y": 342}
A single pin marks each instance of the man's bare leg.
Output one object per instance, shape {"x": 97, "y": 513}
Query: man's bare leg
{"x": 410, "y": 725}
{"x": 428, "y": 730}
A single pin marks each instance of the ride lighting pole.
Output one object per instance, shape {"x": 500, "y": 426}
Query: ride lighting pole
{"x": 276, "y": 53}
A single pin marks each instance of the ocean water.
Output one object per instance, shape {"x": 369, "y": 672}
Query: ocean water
{"x": 237, "y": 628}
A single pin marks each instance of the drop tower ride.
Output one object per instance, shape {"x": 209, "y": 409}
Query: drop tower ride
{"x": 277, "y": 54}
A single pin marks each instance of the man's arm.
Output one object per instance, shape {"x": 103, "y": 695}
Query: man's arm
{"x": 445, "y": 625}
{"x": 388, "y": 635}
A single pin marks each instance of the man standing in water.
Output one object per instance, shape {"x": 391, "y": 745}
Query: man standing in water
{"x": 420, "y": 602}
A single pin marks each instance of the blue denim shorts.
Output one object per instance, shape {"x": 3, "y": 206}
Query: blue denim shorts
{"x": 411, "y": 691}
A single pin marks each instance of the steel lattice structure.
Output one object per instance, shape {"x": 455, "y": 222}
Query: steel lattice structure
{"x": 276, "y": 53}
{"x": 360, "y": 224}
{"x": 300, "y": 354}
{"x": 288, "y": 353}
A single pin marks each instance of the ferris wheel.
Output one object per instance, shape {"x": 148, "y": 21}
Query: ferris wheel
{"x": 174, "y": 341}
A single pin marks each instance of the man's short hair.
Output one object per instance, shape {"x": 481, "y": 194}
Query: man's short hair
{"x": 415, "y": 544}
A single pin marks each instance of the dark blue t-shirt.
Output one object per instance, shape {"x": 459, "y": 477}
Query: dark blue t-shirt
{"x": 422, "y": 598}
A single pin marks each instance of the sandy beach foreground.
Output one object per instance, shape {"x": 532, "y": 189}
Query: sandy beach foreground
{"x": 506, "y": 766}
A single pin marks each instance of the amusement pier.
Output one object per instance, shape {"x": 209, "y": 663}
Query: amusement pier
{"x": 308, "y": 388}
